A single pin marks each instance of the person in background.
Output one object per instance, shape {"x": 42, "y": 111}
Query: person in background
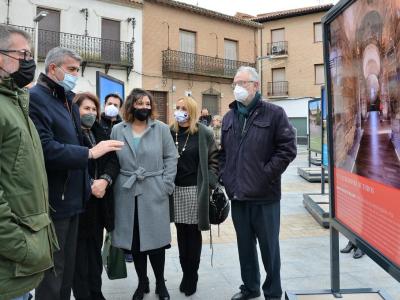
{"x": 146, "y": 179}
{"x": 205, "y": 117}
{"x": 110, "y": 117}
{"x": 216, "y": 126}
{"x": 57, "y": 120}
{"x": 257, "y": 145}
{"x": 99, "y": 210}
{"x": 27, "y": 239}
{"x": 358, "y": 253}
{"x": 197, "y": 172}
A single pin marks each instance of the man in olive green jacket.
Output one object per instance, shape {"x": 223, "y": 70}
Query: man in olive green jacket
{"x": 27, "y": 238}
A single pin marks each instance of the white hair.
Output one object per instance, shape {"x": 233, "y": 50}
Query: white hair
{"x": 251, "y": 71}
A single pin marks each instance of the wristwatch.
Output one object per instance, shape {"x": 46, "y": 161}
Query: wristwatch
{"x": 106, "y": 178}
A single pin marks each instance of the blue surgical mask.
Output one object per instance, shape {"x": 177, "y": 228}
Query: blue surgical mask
{"x": 181, "y": 116}
{"x": 69, "y": 81}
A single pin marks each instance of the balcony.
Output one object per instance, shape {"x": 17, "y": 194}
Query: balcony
{"x": 94, "y": 51}
{"x": 189, "y": 63}
{"x": 278, "y": 89}
{"x": 277, "y": 49}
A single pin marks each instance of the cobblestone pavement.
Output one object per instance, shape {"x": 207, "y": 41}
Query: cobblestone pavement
{"x": 304, "y": 250}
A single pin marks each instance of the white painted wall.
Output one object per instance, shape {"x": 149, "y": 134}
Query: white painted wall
{"x": 22, "y": 13}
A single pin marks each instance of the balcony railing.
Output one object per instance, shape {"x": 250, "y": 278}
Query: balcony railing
{"x": 93, "y": 50}
{"x": 278, "y": 89}
{"x": 189, "y": 63}
{"x": 277, "y": 49}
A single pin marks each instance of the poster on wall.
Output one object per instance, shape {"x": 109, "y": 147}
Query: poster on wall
{"x": 363, "y": 60}
{"x": 315, "y": 125}
{"x": 106, "y": 84}
{"x": 324, "y": 112}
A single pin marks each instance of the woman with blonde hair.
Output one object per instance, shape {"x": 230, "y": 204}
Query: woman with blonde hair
{"x": 196, "y": 173}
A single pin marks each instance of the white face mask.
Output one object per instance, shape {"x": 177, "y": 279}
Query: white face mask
{"x": 240, "y": 93}
{"x": 181, "y": 116}
{"x": 111, "y": 111}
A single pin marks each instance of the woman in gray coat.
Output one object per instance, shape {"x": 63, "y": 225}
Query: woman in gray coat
{"x": 197, "y": 169}
{"x": 148, "y": 167}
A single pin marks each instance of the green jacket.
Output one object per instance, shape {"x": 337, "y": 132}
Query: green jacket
{"x": 27, "y": 236}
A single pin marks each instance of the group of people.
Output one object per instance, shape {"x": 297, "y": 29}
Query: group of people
{"x": 68, "y": 171}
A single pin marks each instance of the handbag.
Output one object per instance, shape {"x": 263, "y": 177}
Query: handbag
{"x": 113, "y": 260}
{"x": 219, "y": 205}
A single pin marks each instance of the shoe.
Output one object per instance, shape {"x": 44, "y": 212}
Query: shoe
{"x": 128, "y": 257}
{"x": 97, "y": 296}
{"x": 161, "y": 291}
{"x": 191, "y": 284}
{"x": 183, "y": 285}
{"x": 358, "y": 253}
{"x": 143, "y": 288}
{"x": 245, "y": 294}
{"x": 350, "y": 246}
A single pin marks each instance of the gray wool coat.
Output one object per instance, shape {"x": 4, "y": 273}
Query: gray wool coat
{"x": 147, "y": 173}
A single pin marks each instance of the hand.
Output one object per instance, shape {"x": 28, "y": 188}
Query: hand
{"x": 99, "y": 187}
{"x": 104, "y": 147}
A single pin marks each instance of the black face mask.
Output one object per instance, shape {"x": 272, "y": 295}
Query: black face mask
{"x": 25, "y": 73}
{"x": 141, "y": 113}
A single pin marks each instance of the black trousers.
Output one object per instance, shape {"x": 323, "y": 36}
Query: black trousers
{"x": 156, "y": 256}
{"x": 189, "y": 245}
{"x": 254, "y": 221}
{"x": 88, "y": 265}
{"x": 57, "y": 282}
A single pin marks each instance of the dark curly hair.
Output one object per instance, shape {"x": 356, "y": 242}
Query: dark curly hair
{"x": 135, "y": 95}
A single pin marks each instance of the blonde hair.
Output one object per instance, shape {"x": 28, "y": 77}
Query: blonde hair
{"x": 191, "y": 106}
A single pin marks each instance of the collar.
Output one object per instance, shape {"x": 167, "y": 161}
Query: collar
{"x": 108, "y": 119}
{"x": 54, "y": 88}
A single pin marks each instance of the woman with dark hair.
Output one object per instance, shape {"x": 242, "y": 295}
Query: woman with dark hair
{"x": 145, "y": 181}
{"x": 100, "y": 207}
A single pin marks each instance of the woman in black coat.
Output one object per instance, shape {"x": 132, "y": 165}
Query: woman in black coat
{"x": 99, "y": 210}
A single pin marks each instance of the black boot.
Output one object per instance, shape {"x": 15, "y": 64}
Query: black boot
{"x": 350, "y": 246}
{"x": 143, "y": 288}
{"x": 192, "y": 277}
{"x": 183, "y": 285}
{"x": 161, "y": 290}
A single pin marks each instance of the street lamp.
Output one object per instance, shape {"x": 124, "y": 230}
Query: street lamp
{"x": 216, "y": 38}
{"x": 36, "y": 20}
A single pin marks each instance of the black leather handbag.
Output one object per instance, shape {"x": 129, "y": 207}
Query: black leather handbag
{"x": 219, "y": 206}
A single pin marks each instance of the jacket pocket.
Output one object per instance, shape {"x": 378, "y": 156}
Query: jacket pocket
{"x": 21, "y": 154}
{"x": 38, "y": 256}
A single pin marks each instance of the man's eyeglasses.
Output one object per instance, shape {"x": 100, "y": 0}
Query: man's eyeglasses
{"x": 241, "y": 83}
{"x": 25, "y": 53}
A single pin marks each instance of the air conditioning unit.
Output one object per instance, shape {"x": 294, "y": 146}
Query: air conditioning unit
{"x": 276, "y": 50}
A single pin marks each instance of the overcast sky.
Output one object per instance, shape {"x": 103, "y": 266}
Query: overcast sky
{"x": 254, "y": 7}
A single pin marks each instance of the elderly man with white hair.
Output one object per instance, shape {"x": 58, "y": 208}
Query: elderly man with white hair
{"x": 257, "y": 145}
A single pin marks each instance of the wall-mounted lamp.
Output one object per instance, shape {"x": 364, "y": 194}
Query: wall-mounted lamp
{"x": 166, "y": 23}
{"x": 85, "y": 12}
{"x": 42, "y": 14}
{"x": 216, "y": 38}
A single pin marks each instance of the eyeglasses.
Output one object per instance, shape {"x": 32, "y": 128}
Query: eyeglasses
{"x": 26, "y": 53}
{"x": 241, "y": 83}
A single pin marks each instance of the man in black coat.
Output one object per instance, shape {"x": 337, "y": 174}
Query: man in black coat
{"x": 58, "y": 123}
{"x": 257, "y": 145}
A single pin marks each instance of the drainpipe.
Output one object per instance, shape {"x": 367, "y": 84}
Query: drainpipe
{"x": 8, "y": 12}
{"x": 260, "y": 61}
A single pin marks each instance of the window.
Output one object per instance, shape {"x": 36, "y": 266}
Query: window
{"x": 278, "y": 75}
{"x": 278, "y": 35}
{"x": 319, "y": 74}
{"x": 187, "y": 41}
{"x": 230, "y": 49}
{"x": 317, "y": 32}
